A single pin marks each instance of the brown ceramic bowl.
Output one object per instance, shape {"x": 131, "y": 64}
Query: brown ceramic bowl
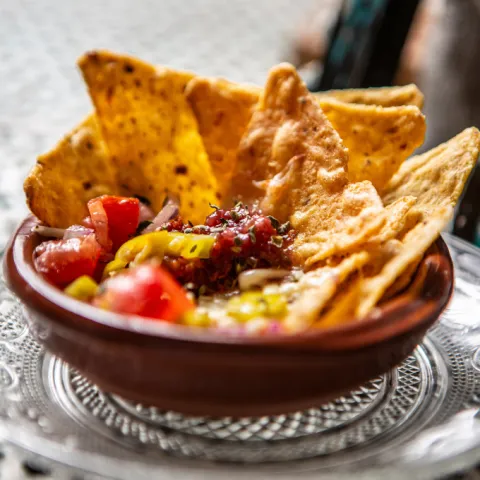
{"x": 209, "y": 373}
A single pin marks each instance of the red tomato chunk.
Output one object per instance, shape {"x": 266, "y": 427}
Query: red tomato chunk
{"x": 147, "y": 290}
{"x": 115, "y": 219}
{"x": 62, "y": 261}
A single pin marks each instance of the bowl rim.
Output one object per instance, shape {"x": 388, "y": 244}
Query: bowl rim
{"x": 395, "y": 317}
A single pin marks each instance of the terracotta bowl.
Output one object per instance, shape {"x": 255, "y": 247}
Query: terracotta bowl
{"x": 209, "y": 373}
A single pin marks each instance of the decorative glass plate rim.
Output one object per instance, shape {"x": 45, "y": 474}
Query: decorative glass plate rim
{"x": 447, "y": 448}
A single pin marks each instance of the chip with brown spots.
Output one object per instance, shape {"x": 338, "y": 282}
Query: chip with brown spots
{"x": 151, "y": 131}
{"x": 383, "y": 97}
{"x": 63, "y": 180}
{"x": 378, "y": 139}
{"x": 293, "y": 161}
{"x": 223, "y": 110}
{"x": 436, "y": 179}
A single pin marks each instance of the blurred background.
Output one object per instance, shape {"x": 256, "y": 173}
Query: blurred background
{"x": 335, "y": 43}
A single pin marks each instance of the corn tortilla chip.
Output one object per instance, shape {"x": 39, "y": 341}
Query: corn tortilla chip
{"x": 317, "y": 287}
{"x": 294, "y": 162}
{"x": 416, "y": 242}
{"x": 378, "y": 139}
{"x": 151, "y": 132}
{"x": 223, "y": 110}
{"x": 437, "y": 179}
{"x": 402, "y": 282}
{"x": 63, "y": 180}
{"x": 383, "y": 97}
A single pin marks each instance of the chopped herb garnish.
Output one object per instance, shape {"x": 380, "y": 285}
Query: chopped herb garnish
{"x": 277, "y": 240}
{"x": 284, "y": 228}
{"x": 251, "y": 234}
{"x": 190, "y": 223}
{"x": 142, "y": 226}
{"x": 215, "y": 207}
{"x": 224, "y": 221}
{"x": 193, "y": 248}
{"x": 234, "y": 215}
{"x": 238, "y": 205}
{"x": 237, "y": 241}
{"x": 275, "y": 223}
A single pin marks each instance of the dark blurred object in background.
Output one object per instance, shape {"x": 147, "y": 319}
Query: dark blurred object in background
{"x": 433, "y": 43}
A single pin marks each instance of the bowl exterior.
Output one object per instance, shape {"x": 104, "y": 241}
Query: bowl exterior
{"x": 223, "y": 378}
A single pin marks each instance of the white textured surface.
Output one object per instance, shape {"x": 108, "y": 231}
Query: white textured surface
{"x": 41, "y": 92}
{"x": 42, "y": 95}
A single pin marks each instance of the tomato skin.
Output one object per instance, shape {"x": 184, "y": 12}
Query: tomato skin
{"x": 147, "y": 290}
{"x": 115, "y": 219}
{"x": 63, "y": 261}
{"x": 123, "y": 216}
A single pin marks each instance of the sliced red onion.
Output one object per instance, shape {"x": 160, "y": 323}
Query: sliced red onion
{"x": 169, "y": 211}
{"x": 49, "y": 231}
{"x": 259, "y": 276}
{"x": 146, "y": 213}
{"x": 77, "y": 231}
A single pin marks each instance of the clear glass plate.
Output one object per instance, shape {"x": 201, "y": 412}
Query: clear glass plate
{"x": 420, "y": 420}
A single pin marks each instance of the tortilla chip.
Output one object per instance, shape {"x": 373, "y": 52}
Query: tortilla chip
{"x": 397, "y": 216}
{"x": 63, "y": 180}
{"x": 437, "y": 179}
{"x": 317, "y": 287}
{"x": 293, "y": 161}
{"x": 402, "y": 282}
{"x": 223, "y": 110}
{"x": 378, "y": 139}
{"x": 383, "y": 97}
{"x": 415, "y": 243}
{"x": 151, "y": 132}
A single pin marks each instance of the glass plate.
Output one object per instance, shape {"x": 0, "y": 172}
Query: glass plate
{"x": 420, "y": 420}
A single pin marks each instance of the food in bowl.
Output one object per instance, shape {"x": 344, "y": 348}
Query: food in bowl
{"x": 211, "y": 204}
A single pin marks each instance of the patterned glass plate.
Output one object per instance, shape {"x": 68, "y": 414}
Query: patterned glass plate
{"x": 420, "y": 420}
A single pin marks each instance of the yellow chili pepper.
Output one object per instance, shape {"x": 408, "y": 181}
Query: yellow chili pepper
{"x": 83, "y": 288}
{"x": 250, "y": 305}
{"x": 158, "y": 244}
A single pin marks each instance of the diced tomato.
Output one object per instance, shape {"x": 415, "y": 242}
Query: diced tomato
{"x": 115, "y": 219}
{"x": 146, "y": 290}
{"x": 62, "y": 261}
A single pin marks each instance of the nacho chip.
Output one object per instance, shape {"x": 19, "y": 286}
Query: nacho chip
{"x": 402, "y": 282}
{"x": 63, "y": 180}
{"x": 383, "y": 97}
{"x": 223, "y": 110}
{"x": 151, "y": 132}
{"x": 317, "y": 287}
{"x": 437, "y": 179}
{"x": 293, "y": 160}
{"x": 378, "y": 139}
{"x": 415, "y": 243}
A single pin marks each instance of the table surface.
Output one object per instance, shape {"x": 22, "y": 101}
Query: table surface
{"x": 42, "y": 95}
